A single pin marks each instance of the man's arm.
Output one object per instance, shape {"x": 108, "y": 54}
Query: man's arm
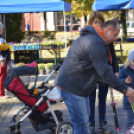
{"x": 99, "y": 57}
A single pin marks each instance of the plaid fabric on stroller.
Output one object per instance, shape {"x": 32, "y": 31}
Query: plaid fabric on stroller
{"x": 34, "y": 105}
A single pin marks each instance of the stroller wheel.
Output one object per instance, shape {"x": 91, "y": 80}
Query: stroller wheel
{"x": 60, "y": 119}
{"x": 64, "y": 128}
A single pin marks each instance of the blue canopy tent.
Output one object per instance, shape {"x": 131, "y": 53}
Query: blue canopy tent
{"x": 26, "y": 6}
{"x": 23, "y": 6}
{"x": 106, "y": 5}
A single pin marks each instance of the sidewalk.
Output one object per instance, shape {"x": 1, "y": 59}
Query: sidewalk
{"x": 9, "y": 106}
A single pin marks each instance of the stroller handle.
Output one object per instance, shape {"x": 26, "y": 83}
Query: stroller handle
{"x": 58, "y": 66}
{"x": 48, "y": 77}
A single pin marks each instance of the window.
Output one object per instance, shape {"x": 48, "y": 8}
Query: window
{"x": 132, "y": 24}
{"x": 60, "y": 22}
{"x": 128, "y": 25}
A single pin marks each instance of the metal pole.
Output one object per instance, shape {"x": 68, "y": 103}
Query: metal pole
{"x": 117, "y": 127}
{"x": 71, "y": 23}
{"x": 56, "y": 21}
{"x": 0, "y": 18}
{"x": 65, "y": 38}
{"x": 4, "y": 23}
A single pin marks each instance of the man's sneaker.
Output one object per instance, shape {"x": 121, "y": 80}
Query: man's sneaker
{"x": 91, "y": 128}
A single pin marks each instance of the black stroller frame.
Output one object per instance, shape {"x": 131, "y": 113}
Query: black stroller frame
{"x": 60, "y": 127}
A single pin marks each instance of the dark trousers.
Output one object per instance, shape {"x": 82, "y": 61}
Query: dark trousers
{"x": 130, "y": 118}
{"x": 102, "y": 104}
{"x": 3, "y": 72}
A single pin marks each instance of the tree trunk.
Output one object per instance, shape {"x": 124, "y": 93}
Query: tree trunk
{"x": 124, "y": 27}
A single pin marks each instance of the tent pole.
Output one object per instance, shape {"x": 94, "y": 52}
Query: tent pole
{"x": 71, "y": 22}
{"x": 0, "y": 18}
{"x": 4, "y": 23}
{"x": 65, "y": 37}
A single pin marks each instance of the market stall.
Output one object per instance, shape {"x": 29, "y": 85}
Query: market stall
{"x": 26, "y": 6}
{"x": 30, "y": 52}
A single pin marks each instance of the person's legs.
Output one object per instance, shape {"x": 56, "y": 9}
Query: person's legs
{"x": 92, "y": 99}
{"x": 3, "y": 72}
{"x": 130, "y": 119}
{"x": 102, "y": 109}
{"x": 78, "y": 108}
{"x": 102, "y": 102}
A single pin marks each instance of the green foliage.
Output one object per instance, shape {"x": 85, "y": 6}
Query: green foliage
{"x": 124, "y": 27}
{"x": 42, "y": 34}
{"x": 81, "y": 7}
{"x": 69, "y": 1}
{"x": 109, "y": 15}
{"x": 48, "y": 66}
{"x": 13, "y": 24}
{"x": 49, "y": 34}
{"x": 41, "y": 66}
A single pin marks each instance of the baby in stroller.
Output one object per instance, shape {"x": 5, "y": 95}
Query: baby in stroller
{"x": 35, "y": 105}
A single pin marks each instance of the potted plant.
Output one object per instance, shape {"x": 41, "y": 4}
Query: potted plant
{"x": 45, "y": 45}
{"x": 41, "y": 69}
{"x": 48, "y": 67}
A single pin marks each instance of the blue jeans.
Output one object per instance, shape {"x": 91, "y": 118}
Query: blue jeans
{"x": 130, "y": 118}
{"x": 102, "y": 104}
{"x": 78, "y": 108}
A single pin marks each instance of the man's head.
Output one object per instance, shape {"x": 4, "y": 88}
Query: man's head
{"x": 111, "y": 30}
{"x": 1, "y": 28}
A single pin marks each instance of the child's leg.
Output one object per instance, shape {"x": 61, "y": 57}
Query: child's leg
{"x": 130, "y": 117}
{"x": 3, "y": 72}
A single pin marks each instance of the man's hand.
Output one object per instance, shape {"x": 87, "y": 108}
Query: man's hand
{"x": 130, "y": 93}
{"x": 128, "y": 80}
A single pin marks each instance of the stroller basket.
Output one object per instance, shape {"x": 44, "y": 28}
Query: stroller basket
{"x": 44, "y": 121}
{"x": 14, "y": 84}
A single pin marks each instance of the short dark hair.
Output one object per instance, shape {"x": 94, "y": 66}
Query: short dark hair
{"x": 111, "y": 23}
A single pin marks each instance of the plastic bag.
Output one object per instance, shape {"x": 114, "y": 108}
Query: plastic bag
{"x": 55, "y": 94}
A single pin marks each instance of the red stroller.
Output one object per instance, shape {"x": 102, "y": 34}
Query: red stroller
{"x": 34, "y": 105}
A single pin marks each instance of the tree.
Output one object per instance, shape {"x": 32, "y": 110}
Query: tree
{"x": 13, "y": 24}
{"x": 84, "y": 7}
{"x": 81, "y": 7}
{"x": 121, "y": 15}
{"x": 124, "y": 27}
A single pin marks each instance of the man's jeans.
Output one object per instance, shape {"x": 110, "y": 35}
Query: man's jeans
{"x": 78, "y": 108}
{"x": 102, "y": 104}
{"x": 130, "y": 118}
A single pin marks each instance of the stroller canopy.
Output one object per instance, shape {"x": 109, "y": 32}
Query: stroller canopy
{"x": 26, "y": 70}
{"x": 29, "y": 69}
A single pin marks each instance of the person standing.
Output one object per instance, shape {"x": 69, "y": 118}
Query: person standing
{"x": 96, "y": 18}
{"x": 126, "y": 73}
{"x": 85, "y": 64}
{"x": 4, "y": 59}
